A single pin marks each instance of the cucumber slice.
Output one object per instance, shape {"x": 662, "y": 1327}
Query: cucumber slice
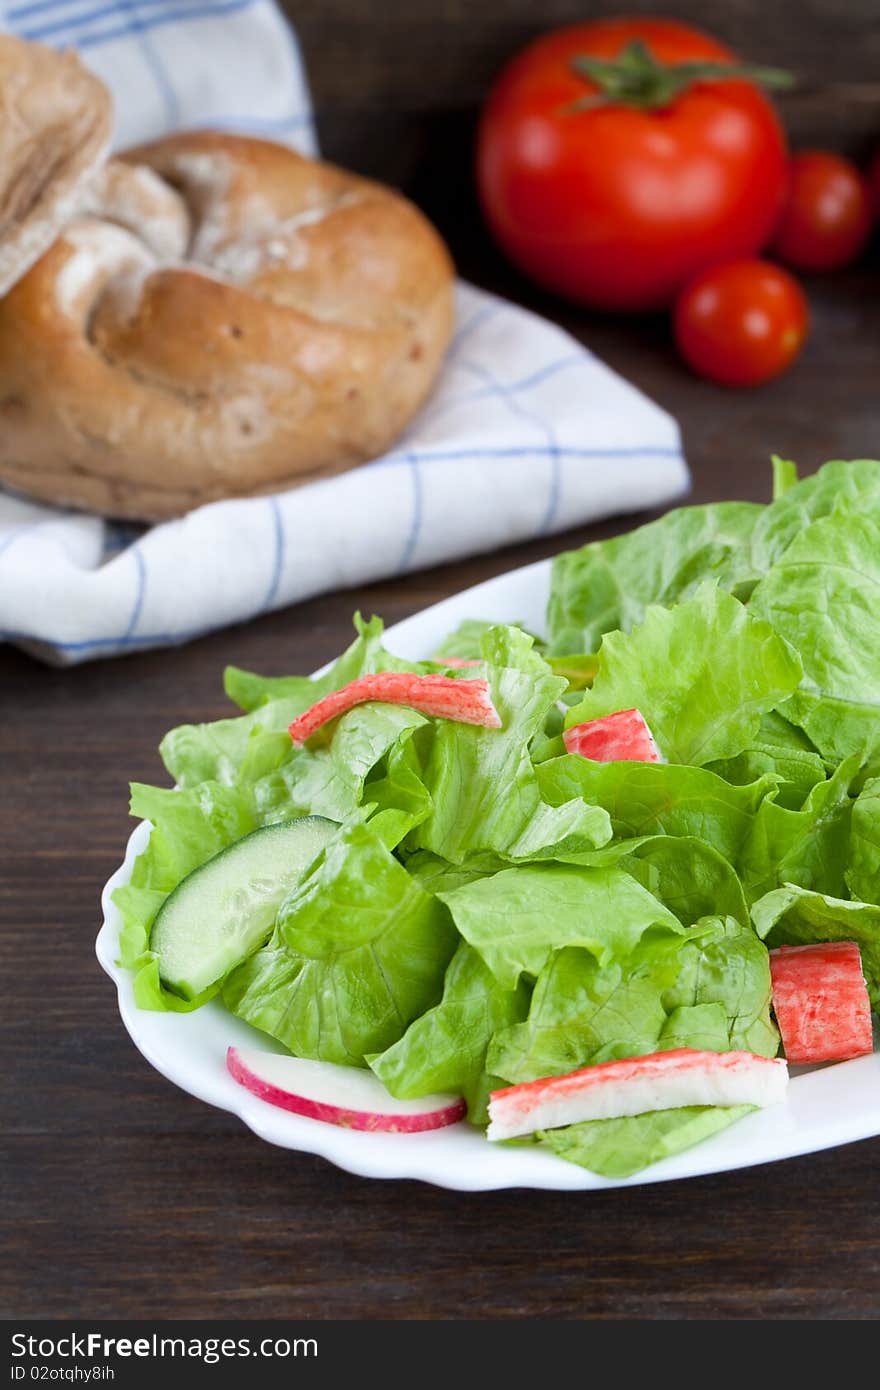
{"x": 223, "y": 911}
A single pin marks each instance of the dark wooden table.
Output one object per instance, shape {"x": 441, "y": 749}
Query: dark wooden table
{"x": 126, "y": 1197}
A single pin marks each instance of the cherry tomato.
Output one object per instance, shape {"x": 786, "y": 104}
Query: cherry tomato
{"x": 827, "y": 213}
{"x": 611, "y": 172}
{"x": 741, "y": 323}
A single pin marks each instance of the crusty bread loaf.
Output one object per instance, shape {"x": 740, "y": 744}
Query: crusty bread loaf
{"x": 228, "y": 318}
{"x": 55, "y": 123}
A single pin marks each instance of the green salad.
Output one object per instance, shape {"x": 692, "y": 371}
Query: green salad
{"x": 463, "y": 908}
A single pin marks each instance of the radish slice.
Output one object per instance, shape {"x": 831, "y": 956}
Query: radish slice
{"x": 658, "y": 1081}
{"x": 620, "y": 737}
{"x": 338, "y": 1095}
{"x": 447, "y": 697}
{"x": 821, "y": 1001}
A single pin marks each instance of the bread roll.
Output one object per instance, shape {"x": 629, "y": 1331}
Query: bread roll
{"x": 224, "y": 318}
{"x": 55, "y": 123}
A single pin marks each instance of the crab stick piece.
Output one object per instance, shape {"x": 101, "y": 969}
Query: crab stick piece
{"x": 658, "y": 1081}
{"x": 445, "y": 697}
{"x": 456, "y": 662}
{"x": 821, "y": 1001}
{"x": 620, "y": 737}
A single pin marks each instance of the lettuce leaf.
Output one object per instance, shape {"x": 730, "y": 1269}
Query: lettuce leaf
{"x": 782, "y": 751}
{"x": 396, "y": 793}
{"x": 466, "y": 642}
{"x": 194, "y": 753}
{"x": 584, "y": 1011}
{"x": 482, "y": 783}
{"x": 823, "y": 596}
{"x": 809, "y": 847}
{"x": 515, "y": 919}
{"x": 609, "y": 584}
{"x": 645, "y": 799}
{"x": 724, "y": 964}
{"x": 436, "y": 876}
{"x": 225, "y": 749}
{"x": 863, "y": 860}
{"x": 359, "y": 951}
{"x": 707, "y": 988}
{"x": 849, "y": 487}
{"x": 702, "y": 675}
{"x": 445, "y": 1049}
{"x": 619, "y": 1148}
{"x": 785, "y": 476}
{"x": 328, "y": 780}
{"x": 366, "y": 654}
{"x": 686, "y": 874}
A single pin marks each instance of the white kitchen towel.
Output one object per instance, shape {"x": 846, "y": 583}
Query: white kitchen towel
{"x": 526, "y": 433}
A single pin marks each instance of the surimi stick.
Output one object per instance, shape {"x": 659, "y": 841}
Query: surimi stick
{"x": 657, "y": 1081}
{"x": 821, "y": 1001}
{"x": 620, "y": 737}
{"x": 445, "y": 697}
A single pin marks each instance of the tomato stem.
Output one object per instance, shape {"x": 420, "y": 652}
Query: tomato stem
{"x": 637, "y": 78}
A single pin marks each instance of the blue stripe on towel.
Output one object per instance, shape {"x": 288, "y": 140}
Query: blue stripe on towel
{"x": 76, "y": 28}
{"x": 157, "y": 69}
{"x": 476, "y": 320}
{"x": 507, "y": 451}
{"x": 16, "y": 12}
{"x": 140, "y": 589}
{"x": 510, "y": 398}
{"x": 121, "y": 643}
{"x": 129, "y": 641}
{"x": 40, "y": 7}
{"x": 415, "y": 524}
{"x": 481, "y": 393}
{"x": 278, "y": 542}
{"x": 17, "y": 531}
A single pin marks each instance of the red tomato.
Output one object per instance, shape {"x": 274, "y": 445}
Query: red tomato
{"x": 741, "y": 323}
{"x": 612, "y": 201}
{"x": 827, "y": 214}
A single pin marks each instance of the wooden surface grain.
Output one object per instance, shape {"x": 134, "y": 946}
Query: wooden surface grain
{"x": 125, "y": 1197}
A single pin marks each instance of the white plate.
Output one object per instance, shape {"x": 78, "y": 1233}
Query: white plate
{"x": 825, "y": 1107}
